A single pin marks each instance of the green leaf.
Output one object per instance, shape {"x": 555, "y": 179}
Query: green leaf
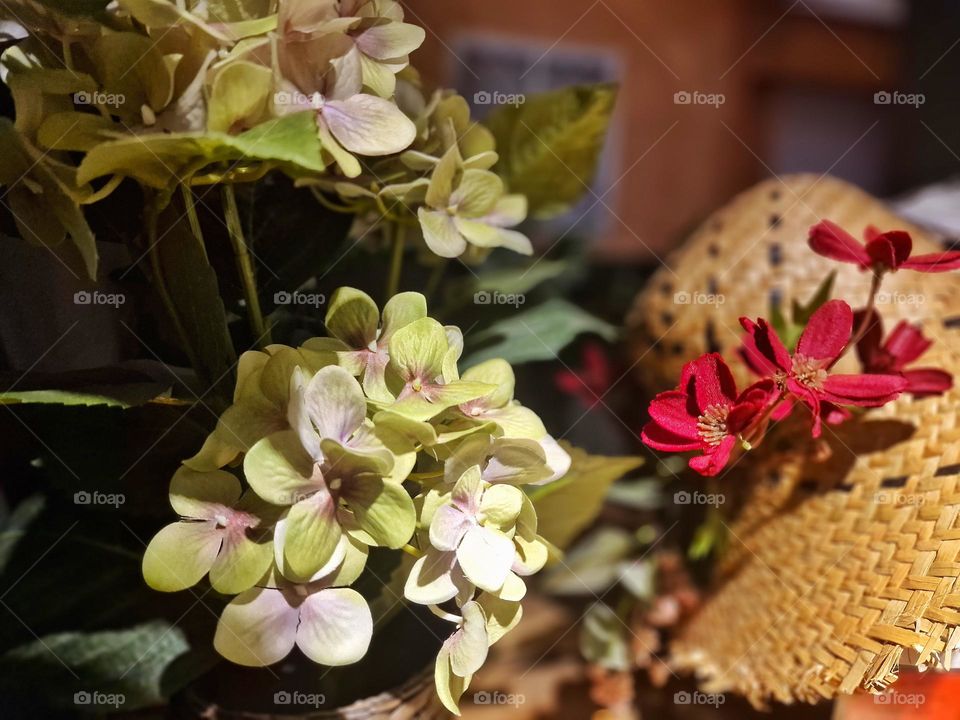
{"x": 520, "y": 280}
{"x": 127, "y": 664}
{"x": 803, "y": 312}
{"x": 557, "y": 135}
{"x": 539, "y": 333}
{"x": 194, "y": 293}
{"x": 592, "y": 566}
{"x": 565, "y": 507}
{"x": 159, "y": 160}
{"x": 37, "y": 194}
{"x": 603, "y": 638}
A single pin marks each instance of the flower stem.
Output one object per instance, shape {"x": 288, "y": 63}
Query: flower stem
{"x": 867, "y": 314}
{"x": 241, "y": 251}
{"x": 411, "y": 550}
{"x": 396, "y": 260}
{"x": 434, "y": 280}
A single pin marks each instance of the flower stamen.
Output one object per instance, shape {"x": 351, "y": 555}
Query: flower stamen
{"x": 809, "y": 371}
{"x": 712, "y": 425}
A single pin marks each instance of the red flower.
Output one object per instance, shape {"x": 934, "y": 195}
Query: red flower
{"x": 883, "y": 251}
{"x": 806, "y": 374}
{"x": 590, "y": 383}
{"x": 904, "y": 345}
{"x": 705, "y": 413}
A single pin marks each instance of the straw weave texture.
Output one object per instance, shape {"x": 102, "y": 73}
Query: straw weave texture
{"x": 840, "y": 564}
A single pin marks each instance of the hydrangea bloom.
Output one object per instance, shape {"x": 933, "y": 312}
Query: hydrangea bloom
{"x": 327, "y": 437}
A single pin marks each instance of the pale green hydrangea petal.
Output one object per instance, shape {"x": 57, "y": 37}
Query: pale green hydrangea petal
{"x": 486, "y": 556}
{"x": 502, "y": 615}
{"x": 352, "y": 317}
{"x": 450, "y": 686}
{"x": 417, "y": 350}
{"x": 312, "y": 534}
{"x": 517, "y": 421}
{"x": 239, "y": 97}
{"x": 468, "y": 645}
{"x": 279, "y": 470}
{"x": 180, "y": 555}
{"x": 442, "y": 178}
{"x": 390, "y": 40}
{"x": 335, "y": 403}
{"x": 477, "y": 193}
{"x": 441, "y": 234}
{"x": 257, "y": 628}
{"x": 335, "y": 626}
{"x": 500, "y": 506}
{"x": 241, "y": 563}
{"x": 516, "y": 461}
{"x": 401, "y": 310}
{"x": 369, "y": 125}
{"x": 448, "y": 527}
{"x": 198, "y": 494}
{"x": 431, "y": 579}
{"x": 496, "y": 372}
{"x": 383, "y": 509}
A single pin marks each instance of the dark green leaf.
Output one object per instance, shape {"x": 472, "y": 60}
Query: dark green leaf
{"x": 539, "y": 333}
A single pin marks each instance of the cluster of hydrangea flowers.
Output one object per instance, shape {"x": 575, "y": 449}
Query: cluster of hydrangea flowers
{"x": 161, "y": 91}
{"x": 368, "y": 438}
{"x": 706, "y": 413}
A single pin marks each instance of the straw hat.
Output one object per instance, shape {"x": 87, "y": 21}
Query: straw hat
{"x": 839, "y": 567}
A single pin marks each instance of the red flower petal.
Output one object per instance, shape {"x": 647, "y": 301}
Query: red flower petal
{"x": 660, "y": 438}
{"x": 827, "y": 332}
{"x": 766, "y": 344}
{"x": 889, "y": 249}
{"x": 906, "y": 343}
{"x": 832, "y": 241}
{"x": 713, "y": 384}
{"x": 922, "y": 382}
{"x": 863, "y": 390}
{"x": 809, "y": 398}
{"x": 713, "y": 462}
{"x": 934, "y": 262}
{"x": 675, "y": 411}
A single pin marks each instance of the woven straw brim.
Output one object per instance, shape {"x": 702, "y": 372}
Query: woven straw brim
{"x": 837, "y": 569}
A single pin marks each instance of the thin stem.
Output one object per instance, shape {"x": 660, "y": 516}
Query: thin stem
{"x": 192, "y": 217}
{"x": 260, "y": 330}
{"x": 411, "y": 550}
{"x": 433, "y": 282}
{"x": 396, "y": 260}
{"x": 868, "y": 313}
